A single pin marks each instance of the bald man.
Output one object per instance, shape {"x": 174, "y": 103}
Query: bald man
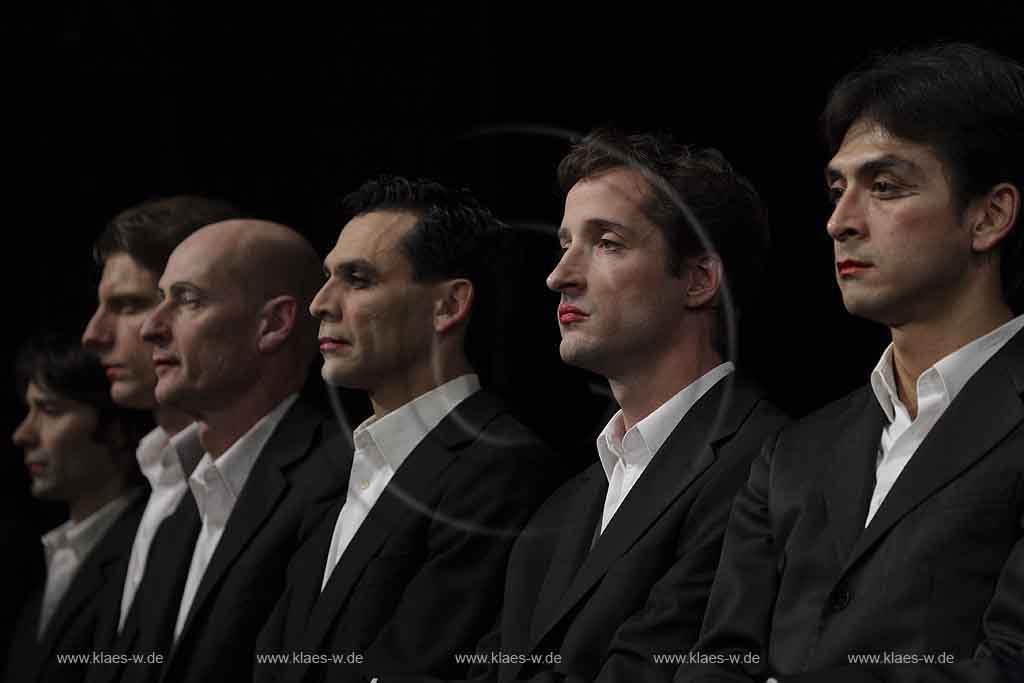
{"x": 232, "y": 343}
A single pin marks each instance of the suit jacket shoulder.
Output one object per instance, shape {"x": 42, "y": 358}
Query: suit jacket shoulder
{"x": 71, "y": 629}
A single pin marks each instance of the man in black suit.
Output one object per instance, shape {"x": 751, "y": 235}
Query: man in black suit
{"x": 402, "y": 572}
{"x": 232, "y": 343}
{"x": 132, "y": 251}
{"x": 616, "y": 566}
{"x": 79, "y": 448}
{"x": 880, "y": 539}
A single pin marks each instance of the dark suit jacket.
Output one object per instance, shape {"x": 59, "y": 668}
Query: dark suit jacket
{"x": 71, "y": 629}
{"x": 940, "y": 569}
{"x": 246, "y": 573}
{"x": 421, "y": 579}
{"x": 149, "y": 624}
{"x": 602, "y": 612}
{"x": 21, "y": 572}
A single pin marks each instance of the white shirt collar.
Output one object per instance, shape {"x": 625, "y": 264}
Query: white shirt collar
{"x": 160, "y": 457}
{"x": 397, "y": 433}
{"x": 639, "y": 444}
{"x": 82, "y": 536}
{"x": 944, "y": 380}
{"x": 233, "y": 466}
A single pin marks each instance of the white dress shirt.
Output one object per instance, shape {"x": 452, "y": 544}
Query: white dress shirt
{"x": 381, "y": 446}
{"x": 216, "y": 485}
{"x": 159, "y": 460}
{"x": 67, "y": 546}
{"x": 936, "y": 388}
{"x": 624, "y": 457}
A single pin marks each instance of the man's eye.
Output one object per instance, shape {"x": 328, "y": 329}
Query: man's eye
{"x": 606, "y": 244}
{"x": 884, "y": 187}
{"x": 834, "y": 195}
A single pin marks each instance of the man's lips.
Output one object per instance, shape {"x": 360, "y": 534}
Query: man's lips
{"x": 570, "y": 314}
{"x": 851, "y": 267}
{"x": 35, "y": 468}
{"x": 162, "y": 362}
{"x": 114, "y": 371}
{"x": 329, "y": 344}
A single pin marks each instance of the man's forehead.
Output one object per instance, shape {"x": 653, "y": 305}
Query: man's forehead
{"x": 372, "y": 236}
{"x": 195, "y": 261}
{"x": 122, "y": 271}
{"x": 869, "y": 144}
{"x": 614, "y": 200}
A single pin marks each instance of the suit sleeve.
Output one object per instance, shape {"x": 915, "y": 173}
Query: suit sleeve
{"x": 733, "y": 644}
{"x": 669, "y": 623}
{"x": 458, "y": 588}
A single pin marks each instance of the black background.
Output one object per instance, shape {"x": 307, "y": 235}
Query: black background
{"x": 284, "y": 109}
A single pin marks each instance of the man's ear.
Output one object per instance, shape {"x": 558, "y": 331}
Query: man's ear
{"x": 703, "y": 280}
{"x": 452, "y": 303}
{"x": 995, "y": 215}
{"x": 277, "y": 320}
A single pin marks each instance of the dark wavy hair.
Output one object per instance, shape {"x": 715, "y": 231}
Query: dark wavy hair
{"x": 149, "y": 232}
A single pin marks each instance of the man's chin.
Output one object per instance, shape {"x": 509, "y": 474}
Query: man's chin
{"x": 133, "y": 395}
{"x": 580, "y": 355}
{"x": 43, "y": 491}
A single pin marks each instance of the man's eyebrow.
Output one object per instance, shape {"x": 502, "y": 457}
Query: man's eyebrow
{"x": 178, "y": 288}
{"x": 349, "y": 267}
{"x": 129, "y": 298}
{"x": 595, "y": 224}
{"x": 873, "y": 166}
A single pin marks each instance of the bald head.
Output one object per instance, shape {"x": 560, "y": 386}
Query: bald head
{"x": 264, "y": 259}
{"x": 259, "y": 261}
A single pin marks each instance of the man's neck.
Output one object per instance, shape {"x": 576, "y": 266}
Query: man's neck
{"x": 219, "y": 429}
{"x": 84, "y": 506}
{"x": 643, "y": 390}
{"x": 919, "y": 345}
{"x": 170, "y": 420}
{"x": 414, "y": 383}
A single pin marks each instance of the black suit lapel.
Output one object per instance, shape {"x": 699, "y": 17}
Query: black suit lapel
{"x": 311, "y": 560}
{"x": 99, "y": 567}
{"x": 264, "y": 488}
{"x": 983, "y": 413}
{"x": 408, "y": 493}
{"x": 581, "y": 522}
{"x": 685, "y": 455}
{"x": 851, "y": 477}
{"x": 159, "y": 596}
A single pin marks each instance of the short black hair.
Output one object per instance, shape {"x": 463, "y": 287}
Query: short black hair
{"x": 725, "y": 203}
{"x": 57, "y": 362}
{"x": 964, "y": 102}
{"x": 455, "y": 236}
{"x": 150, "y": 231}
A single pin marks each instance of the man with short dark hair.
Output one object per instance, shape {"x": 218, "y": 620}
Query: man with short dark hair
{"x": 232, "y": 343}
{"x": 79, "y": 448}
{"x": 403, "y": 571}
{"x": 132, "y": 251}
{"x": 616, "y": 567}
{"x": 881, "y": 538}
